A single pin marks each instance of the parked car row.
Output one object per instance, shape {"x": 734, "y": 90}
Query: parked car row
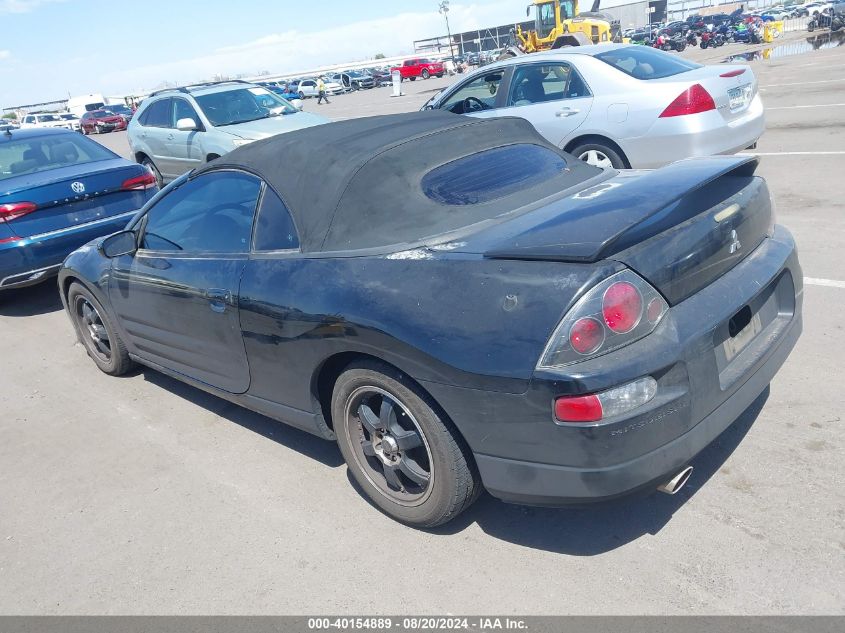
{"x": 98, "y": 121}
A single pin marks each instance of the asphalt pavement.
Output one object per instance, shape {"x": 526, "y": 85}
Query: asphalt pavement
{"x": 142, "y": 495}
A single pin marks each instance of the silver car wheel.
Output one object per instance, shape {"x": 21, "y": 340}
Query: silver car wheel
{"x": 596, "y": 158}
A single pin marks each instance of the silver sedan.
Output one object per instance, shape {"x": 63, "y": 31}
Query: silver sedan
{"x": 617, "y": 105}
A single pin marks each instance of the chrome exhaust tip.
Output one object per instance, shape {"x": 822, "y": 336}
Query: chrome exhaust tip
{"x": 677, "y": 482}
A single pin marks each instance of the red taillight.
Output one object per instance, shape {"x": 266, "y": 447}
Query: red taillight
{"x": 693, "y": 100}
{"x": 13, "y": 210}
{"x": 144, "y": 181}
{"x": 622, "y": 307}
{"x": 586, "y": 335}
{"x": 733, "y": 73}
{"x": 578, "y": 409}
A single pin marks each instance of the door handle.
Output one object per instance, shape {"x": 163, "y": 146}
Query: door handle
{"x": 169, "y": 137}
{"x": 218, "y": 299}
{"x": 567, "y": 111}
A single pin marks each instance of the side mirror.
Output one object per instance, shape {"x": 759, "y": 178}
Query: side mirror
{"x": 123, "y": 243}
{"x": 186, "y": 125}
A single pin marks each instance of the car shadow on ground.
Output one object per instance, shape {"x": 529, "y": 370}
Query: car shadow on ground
{"x": 583, "y": 531}
{"x": 309, "y": 445}
{"x": 30, "y": 301}
{"x": 592, "y": 530}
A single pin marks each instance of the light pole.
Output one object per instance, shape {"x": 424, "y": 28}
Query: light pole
{"x": 444, "y": 9}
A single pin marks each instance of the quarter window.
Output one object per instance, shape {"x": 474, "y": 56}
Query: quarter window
{"x": 211, "y": 213}
{"x": 274, "y": 229}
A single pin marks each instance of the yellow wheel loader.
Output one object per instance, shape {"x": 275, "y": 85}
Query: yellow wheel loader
{"x": 558, "y": 23}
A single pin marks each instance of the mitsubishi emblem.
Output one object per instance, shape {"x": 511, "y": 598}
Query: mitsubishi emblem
{"x": 77, "y": 187}
{"x": 735, "y": 243}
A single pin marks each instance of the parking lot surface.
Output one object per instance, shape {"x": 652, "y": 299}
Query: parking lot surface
{"x": 142, "y": 495}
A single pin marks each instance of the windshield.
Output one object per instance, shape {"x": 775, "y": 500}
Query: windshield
{"x": 99, "y": 114}
{"x": 242, "y": 105}
{"x": 642, "y": 62}
{"x": 545, "y": 19}
{"x": 44, "y": 153}
{"x": 118, "y": 108}
{"x": 68, "y": 116}
{"x": 43, "y": 118}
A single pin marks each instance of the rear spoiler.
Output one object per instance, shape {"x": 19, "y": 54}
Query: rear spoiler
{"x": 608, "y": 217}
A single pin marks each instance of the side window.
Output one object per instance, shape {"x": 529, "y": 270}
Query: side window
{"x": 477, "y": 94}
{"x": 29, "y": 119}
{"x": 183, "y": 110}
{"x": 157, "y": 114}
{"x": 536, "y": 83}
{"x": 274, "y": 229}
{"x": 212, "y": 213}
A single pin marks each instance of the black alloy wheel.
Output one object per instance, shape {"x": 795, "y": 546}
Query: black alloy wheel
{"x": 96, "y": 332}
{"x": 389, "y": 445}
{"x": 405, "y": 456}
{"x": 97, "y": 339}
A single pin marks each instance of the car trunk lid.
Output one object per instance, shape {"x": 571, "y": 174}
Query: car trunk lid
{"x": 733, "y": 88}
{"x": 71, "y": 198}
{"x": 680, "y": 227}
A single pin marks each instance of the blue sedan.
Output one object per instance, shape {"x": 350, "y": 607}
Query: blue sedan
{"x": 59, "y": 190}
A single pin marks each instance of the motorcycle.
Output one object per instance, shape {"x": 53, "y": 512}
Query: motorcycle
{"x": 676, "y": 43}
{"x": 748, "y": 35}
{"x": 692, "y": 40}
{"x": 822, "y": 20}
{"x": 711, "y": 39}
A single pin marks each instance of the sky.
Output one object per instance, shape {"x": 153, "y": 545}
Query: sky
{"x": 51, "y": 49}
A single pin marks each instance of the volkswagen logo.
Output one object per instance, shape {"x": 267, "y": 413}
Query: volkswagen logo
{"x": 77, "y": 187}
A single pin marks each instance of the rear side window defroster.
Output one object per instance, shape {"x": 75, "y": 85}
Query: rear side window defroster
{"x": 492, "y": 174}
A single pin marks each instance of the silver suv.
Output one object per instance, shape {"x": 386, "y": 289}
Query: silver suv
{"x": 178, "y": 129}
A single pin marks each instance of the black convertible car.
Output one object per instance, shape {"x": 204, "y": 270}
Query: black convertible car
{"x": 458, "y": 303}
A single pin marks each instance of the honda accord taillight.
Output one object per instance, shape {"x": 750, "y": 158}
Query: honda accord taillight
{"x": 616, "y": 312}
{"x": 693, "y": 100}
{"x": 13, "y": 210}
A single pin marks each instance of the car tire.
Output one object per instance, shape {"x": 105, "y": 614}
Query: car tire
{"x": 150, "y": 165}
{"x": 301, "y": 95}
{"x": 406, "y": 457}
{"x": 599, "y": 155}
{"x": 425, "y": 74}
{"x": 413, "y": 78}
{"x": 703, "y": 45}
{"x": 440, "y": 75}
{"x": 96, "y": 332}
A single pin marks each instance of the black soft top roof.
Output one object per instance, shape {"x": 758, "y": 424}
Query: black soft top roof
{"x": 356, "y": 184}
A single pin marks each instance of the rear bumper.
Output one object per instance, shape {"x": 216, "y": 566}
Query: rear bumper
{"x": 524, "y": 456}
{"x": 546, "y": 484}
{"x": 33, "y": 259}
{"x": 706, "y": 134}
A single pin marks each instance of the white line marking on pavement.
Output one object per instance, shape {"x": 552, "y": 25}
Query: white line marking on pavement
{"x": 818, "y": 105}
{"x": 803, "y": 83}
{"x": 831, "y": 283}
{"x": 831, "y": 153}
